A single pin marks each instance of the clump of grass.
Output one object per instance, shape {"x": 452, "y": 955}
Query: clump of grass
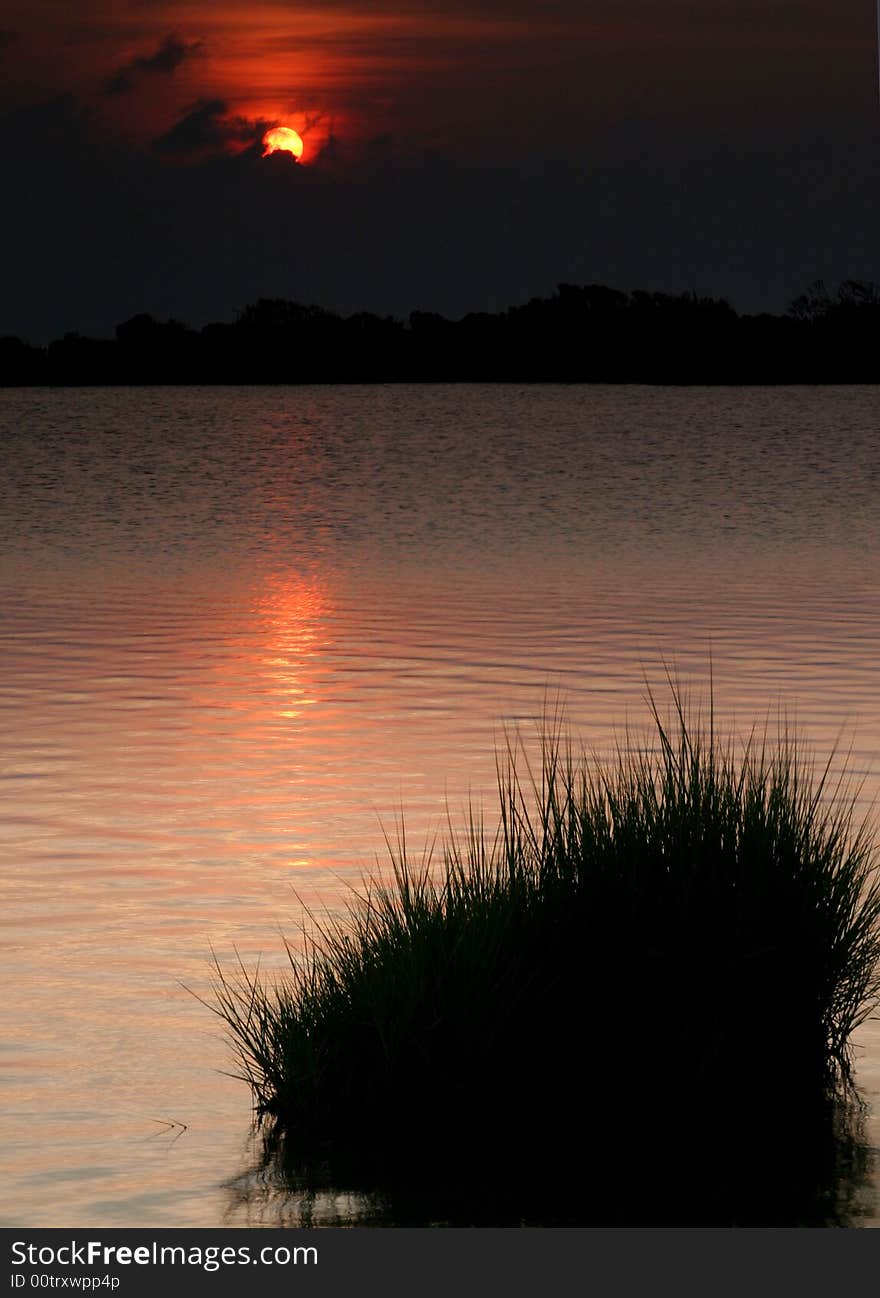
{"x": 633, "y": 1004}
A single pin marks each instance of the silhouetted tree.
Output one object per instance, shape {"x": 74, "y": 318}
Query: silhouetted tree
{"x": 580, "y": 333}
{"x": 151, "y": 351}
{"x": 811, "y": 305}
{"x": 74, "y": 360}
{"x": 21, "y": 365}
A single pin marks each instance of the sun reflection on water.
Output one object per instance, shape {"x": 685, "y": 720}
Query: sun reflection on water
{"x": 293, "y": 612}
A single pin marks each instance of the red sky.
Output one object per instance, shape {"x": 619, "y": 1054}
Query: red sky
{"x": 477, "y": 79}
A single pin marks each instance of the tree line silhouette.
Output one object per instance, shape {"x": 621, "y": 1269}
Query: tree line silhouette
{"x": 587, "y": 333}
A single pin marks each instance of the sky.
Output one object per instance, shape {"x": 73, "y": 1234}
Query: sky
{"x": 457, "y": 156}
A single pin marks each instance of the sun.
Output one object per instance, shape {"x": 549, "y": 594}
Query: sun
{"x": 283, "y": 139}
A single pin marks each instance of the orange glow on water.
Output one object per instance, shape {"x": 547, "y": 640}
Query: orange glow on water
{"x": 283, "y": 139}
{"x": 292, "y": 612}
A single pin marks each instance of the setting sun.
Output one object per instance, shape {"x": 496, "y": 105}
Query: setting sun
{"x": 282, "y": 139}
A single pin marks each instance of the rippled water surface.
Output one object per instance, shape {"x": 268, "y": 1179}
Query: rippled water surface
{"x": 242, "y": 629}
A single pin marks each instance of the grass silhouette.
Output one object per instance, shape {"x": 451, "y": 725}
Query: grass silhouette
{"x": 631, "y": 1005}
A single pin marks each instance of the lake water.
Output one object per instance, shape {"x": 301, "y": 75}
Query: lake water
{"x": 243, "y": 629}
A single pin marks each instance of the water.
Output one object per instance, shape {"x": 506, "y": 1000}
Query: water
{"x": 243, "y": 629}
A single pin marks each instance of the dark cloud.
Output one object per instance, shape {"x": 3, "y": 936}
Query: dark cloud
{"x": 167, "y": 59}
{"x": 207, "y": 128}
